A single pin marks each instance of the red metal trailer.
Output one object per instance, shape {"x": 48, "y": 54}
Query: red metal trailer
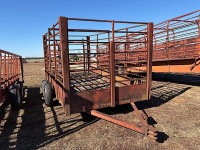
{"x": 11, "y": 78}
{"x": 176, "y": 45}
{"x": 78, "y": 77}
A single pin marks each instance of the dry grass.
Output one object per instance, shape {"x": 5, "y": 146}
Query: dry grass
{"x": 175, "y": 109}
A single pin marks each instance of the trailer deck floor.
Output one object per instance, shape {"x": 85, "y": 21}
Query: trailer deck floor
{"x": 88, "y": 81}
{"x": 97, "y": 80}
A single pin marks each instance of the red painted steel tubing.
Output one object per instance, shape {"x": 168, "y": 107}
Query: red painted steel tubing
{"x": 117, "y": 121}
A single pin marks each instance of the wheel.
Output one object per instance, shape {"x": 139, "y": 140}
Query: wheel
{"x": 21, "y": 89}
{"x": 15, "y": 97}
{"x": 42, "y": 85}
{"x": 48, "y": 96}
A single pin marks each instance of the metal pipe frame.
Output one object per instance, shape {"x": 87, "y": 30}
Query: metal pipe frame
{"x": 71, "y": 58}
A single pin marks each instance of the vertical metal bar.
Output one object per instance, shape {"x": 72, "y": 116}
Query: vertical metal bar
{"x": 10, "y": 74}
{"x": 173, "y": 35}
{"x": 167, "y": 41}
{"x": 198, "y": 24}
{"x": 108, "y": 37}
{"x": 149, "y": 58}
{"x": 14, "y": 67}
{"x": 84, "y": 61}
{"x": 18, "y": 67}
{"x": 97, "y": 51}
{"x": 5, "y": 69}
{"x": 21, "y": 68}
{"x": 8, "y": 67}
{"x": 112, "y": 68}
{"x": 45, "y": 54}
{"x": 108, "y": 45}
{"x": 49, "y": 52}
{"x": 154, "y": 46}
{"x": 183, "y": 46}
{"x": 11, "y": 69}
{"x": 54, "y": 51}
{"x": 88, "y": 53}
{"x": 63, "y": 29}
{"x": 126, "y": 48}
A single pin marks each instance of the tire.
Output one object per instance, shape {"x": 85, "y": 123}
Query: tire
{"x": 15, "y": 97}
{"x": 21, "y": 89}
{"x": 48, "y": 96}
{"x": 42, "y": 85}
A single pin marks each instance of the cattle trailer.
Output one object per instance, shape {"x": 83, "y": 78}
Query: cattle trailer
{"x": 83, "y": 82}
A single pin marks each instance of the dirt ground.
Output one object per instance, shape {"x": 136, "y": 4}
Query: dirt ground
{"x": 174, "y": 106}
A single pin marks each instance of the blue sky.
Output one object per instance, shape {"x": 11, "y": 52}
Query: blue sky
{"x": 22, "y": 22}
